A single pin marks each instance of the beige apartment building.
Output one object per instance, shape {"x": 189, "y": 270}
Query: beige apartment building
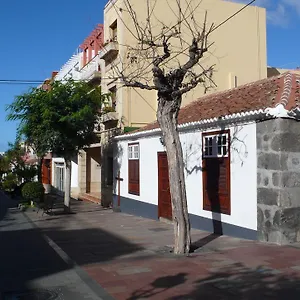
{"x": 238, "y": 54}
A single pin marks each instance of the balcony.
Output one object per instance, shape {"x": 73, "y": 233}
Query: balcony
{"x": 109, "y": 116}
{"x": 91, "y": 71}
{"x": 109, "y": 51}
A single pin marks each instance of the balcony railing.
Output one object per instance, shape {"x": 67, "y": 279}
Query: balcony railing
{"x": 91, "y": 70}
{"x": 109, "y": 50}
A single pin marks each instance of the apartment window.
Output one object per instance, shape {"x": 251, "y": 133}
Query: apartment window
{"x": 114, "y": 31}
{"x": 216, "y": 172}
{"x": 113, "y": 92}
{"x": 134, "y": 169}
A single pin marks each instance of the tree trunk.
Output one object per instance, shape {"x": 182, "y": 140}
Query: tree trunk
{"x": 39, "y": 168}
{"x": 67, "y": 197}
{"x": 167, "y": 113}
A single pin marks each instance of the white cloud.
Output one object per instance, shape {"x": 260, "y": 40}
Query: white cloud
{"x": 278, "y": 11}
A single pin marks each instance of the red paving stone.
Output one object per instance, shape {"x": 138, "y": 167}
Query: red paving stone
{"x": 132, "y": 273}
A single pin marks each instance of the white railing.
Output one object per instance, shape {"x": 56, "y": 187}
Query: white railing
{"x": 70, "y": 67}
{"x": 90, "y": 68}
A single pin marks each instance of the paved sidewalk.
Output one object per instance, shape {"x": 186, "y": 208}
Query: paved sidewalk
{"x": 129, "y": 256}
{"x": 31, "y": 269}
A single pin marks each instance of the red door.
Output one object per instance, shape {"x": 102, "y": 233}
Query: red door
{"x": 164, "y": 196}
{"x": 46, "y": 171}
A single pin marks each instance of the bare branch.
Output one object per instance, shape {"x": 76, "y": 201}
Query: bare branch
{"x": 195, "y": 80}
{"x": 137, "y": 84}
{"x": 196, "y": 52}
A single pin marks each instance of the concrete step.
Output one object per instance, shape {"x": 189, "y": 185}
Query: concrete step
{"x": 89, "y": 197}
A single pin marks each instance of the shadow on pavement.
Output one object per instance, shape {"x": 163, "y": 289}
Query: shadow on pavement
{"x": 26, "y": 256}
{"x": 158, "y": 286}
{"x": 204, "y": 241}
{"x": 93, "y": 245}
{"x": 231, "y": 283}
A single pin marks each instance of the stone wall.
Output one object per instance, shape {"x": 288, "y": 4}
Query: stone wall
{"x": 278, "y": 181}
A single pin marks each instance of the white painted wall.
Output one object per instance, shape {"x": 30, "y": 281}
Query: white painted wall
{"x": 243, "y": 174}
{"x": 74, "y": 175}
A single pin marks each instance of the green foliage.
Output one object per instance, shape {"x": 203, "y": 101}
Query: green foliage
{"x": 108, "y": 109}
{"x": 26, "y": 173}
{"x": 13, "y": 162}
{"x": 10, "y": 182}
{"x": 33, "y": 190}
{"x": 60, "y": 119}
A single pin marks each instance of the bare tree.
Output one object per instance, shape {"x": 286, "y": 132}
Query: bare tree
{"x": 167, "y": 58}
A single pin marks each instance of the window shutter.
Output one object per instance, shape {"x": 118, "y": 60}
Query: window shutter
{"x": 134, "y": 176}
{"x": 216, "y": 172}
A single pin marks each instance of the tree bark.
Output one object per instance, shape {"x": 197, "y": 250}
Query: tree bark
{"x": 39, "y": 168}
{"x": 67, "y": 196}
{"x": 167, "y": 114}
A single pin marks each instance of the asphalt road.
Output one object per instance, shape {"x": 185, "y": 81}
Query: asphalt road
{"x": 29, "y": 266}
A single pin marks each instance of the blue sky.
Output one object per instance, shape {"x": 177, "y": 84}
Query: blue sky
{"x": 38, "y": 37}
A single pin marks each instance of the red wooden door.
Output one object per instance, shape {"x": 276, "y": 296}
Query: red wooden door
{"x": 46, "y": 171}
{"x": 164, "y": 196}
{"x": 216, "y": 184}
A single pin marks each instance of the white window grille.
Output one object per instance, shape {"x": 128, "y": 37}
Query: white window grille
{"x": 216, "y": 145}
{"x": 133, "y": 151}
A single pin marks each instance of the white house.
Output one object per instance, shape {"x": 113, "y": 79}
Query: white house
{"x": 241, "y": 152}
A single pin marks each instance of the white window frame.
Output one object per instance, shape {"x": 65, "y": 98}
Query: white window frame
{"x": 134, "y": 152}
{"x": 59, "y": 176}
{"x": 217, "y": 145}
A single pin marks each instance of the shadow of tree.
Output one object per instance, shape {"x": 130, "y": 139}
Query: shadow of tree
{"x": 159, "y": 285}
{"x": 235, "y": 282}
{"x": 239, "y": 282}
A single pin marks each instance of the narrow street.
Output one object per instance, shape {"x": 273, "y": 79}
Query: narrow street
{"x": 30, "y": 268}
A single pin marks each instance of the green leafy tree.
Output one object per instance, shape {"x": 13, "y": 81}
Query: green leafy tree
{"x": 13, "y": 161}
{"x": 61, "y": 120}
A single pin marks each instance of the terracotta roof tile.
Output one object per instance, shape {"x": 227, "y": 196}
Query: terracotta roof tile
{"x": 267, "y": 93}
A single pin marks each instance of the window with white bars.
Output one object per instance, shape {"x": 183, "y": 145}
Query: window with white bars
{"x": 133, "y": 152}
{"x": 216, "y": 145}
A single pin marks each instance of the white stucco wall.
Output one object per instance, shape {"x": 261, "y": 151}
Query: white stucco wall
{"x": 243, "y": 174}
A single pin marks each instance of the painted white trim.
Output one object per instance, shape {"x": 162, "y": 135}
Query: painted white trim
{"x": 278, "y": 112}
{"x": 213, "y": 122}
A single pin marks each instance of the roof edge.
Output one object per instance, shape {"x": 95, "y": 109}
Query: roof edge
{"x": 243, "y": 116}
{"x": 262, "y": 114}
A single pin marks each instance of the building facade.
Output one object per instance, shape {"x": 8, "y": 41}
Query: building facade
{"x": 238, "y": 53}
{"x": 241, "y": 156}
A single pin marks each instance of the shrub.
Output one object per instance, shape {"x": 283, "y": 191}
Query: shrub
{"x": 33, "y": 190}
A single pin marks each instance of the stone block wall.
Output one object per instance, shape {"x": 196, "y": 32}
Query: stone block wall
{"x": 278, "y": 181}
